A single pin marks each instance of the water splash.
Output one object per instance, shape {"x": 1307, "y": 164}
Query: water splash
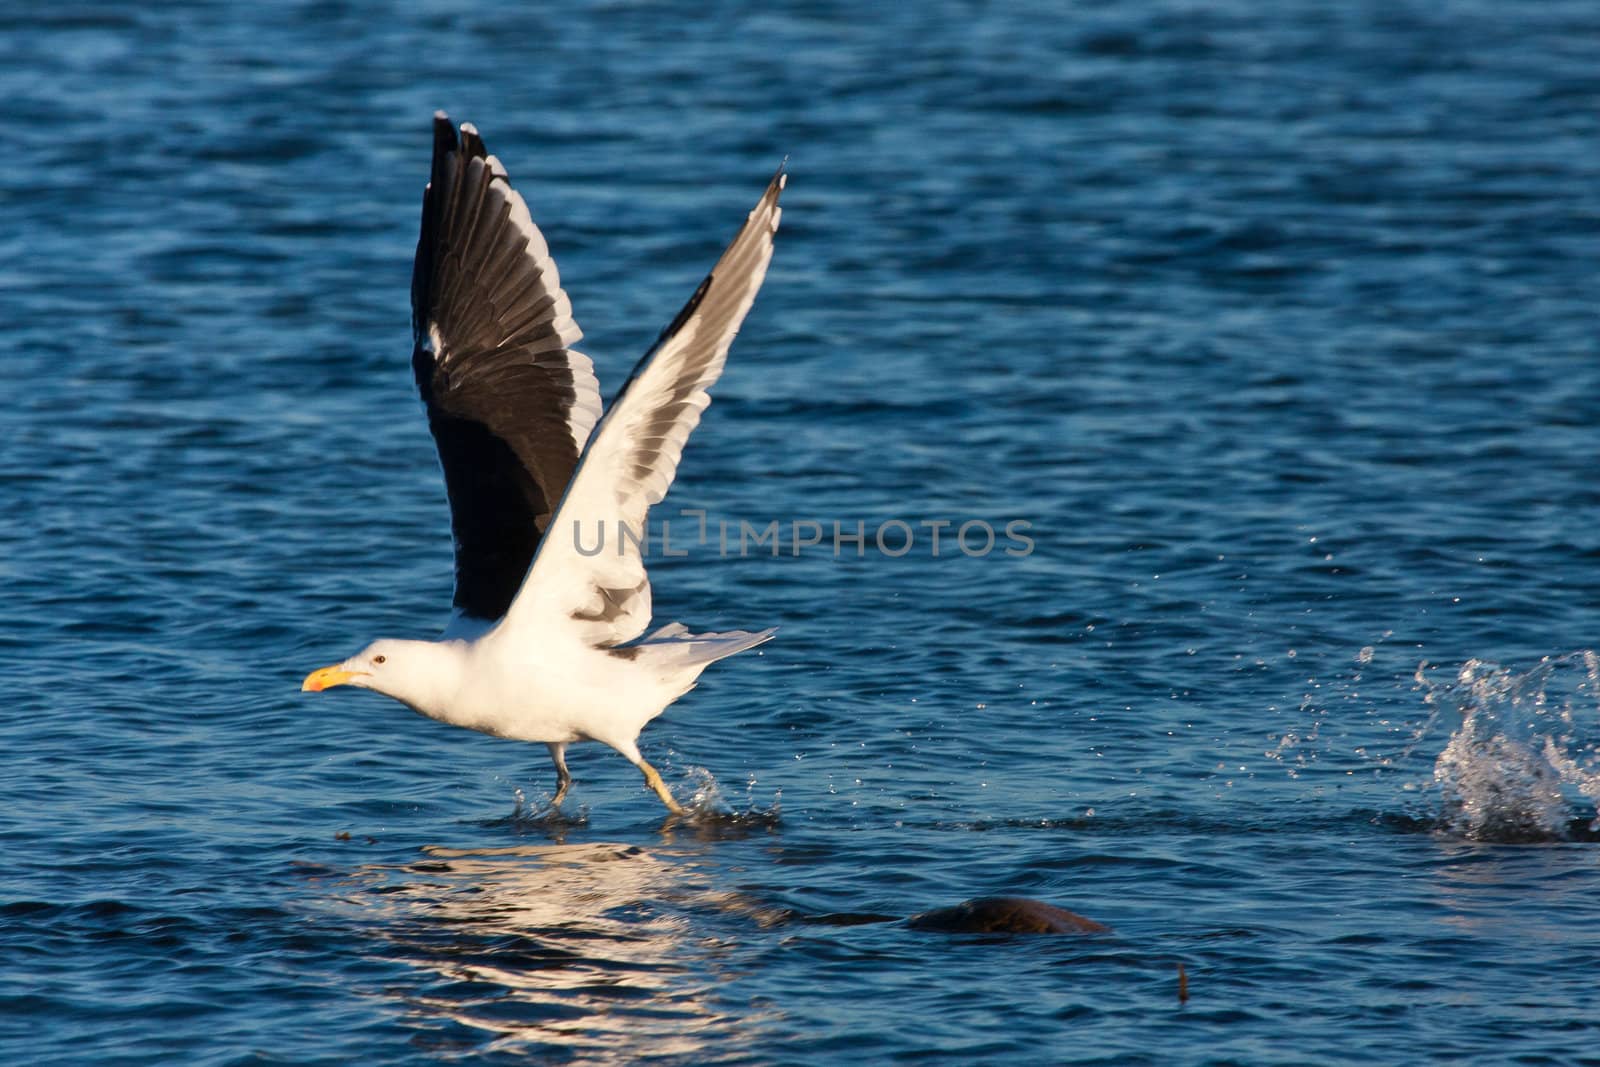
{"x": 1344, "y": 723}
{"x": 543, "y": 817}
{"x": 708, "y": 807}
{"x": 1527, "y": 747}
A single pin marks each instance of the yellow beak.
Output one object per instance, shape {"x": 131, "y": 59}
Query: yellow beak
{"x": 326, "y": 678}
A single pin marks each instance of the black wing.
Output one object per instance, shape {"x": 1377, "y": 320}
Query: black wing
{"x": 509, "y": 403}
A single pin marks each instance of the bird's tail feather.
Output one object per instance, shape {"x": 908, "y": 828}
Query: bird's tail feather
{"x": 684, "y": 649}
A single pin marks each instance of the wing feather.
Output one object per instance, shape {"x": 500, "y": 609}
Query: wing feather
{"x": 510, "y": 403}
{"x": 634, "y": 455}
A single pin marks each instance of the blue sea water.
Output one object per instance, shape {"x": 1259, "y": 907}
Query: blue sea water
{"x": 1275, "y": 323}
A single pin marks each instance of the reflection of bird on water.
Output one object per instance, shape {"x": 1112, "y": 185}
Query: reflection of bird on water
{"x": 545, "y": 644}
{"x": 584, "y": 949}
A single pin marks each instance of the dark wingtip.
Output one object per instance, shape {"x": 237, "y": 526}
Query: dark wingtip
{"x": 444, "y": 141}
{"x": 444, "y": 145}
{"x": 444, "y": 132}
{"x": 471, "y": 143}
{"x": 447, "y": 140}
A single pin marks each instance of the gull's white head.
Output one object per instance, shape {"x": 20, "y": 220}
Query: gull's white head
{"x": 412, "y": 672}
{"x": 366, "y": 669}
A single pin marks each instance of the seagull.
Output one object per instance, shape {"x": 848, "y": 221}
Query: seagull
{"x": 545, "y": 641}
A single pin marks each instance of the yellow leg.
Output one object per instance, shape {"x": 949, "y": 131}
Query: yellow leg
{"x": 653, "y": 780}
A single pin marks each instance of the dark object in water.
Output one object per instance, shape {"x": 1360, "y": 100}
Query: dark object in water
{"x": 1005, "y": 915}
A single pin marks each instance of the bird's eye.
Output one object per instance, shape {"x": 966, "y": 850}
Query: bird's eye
{"x": 379, "y": 659}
